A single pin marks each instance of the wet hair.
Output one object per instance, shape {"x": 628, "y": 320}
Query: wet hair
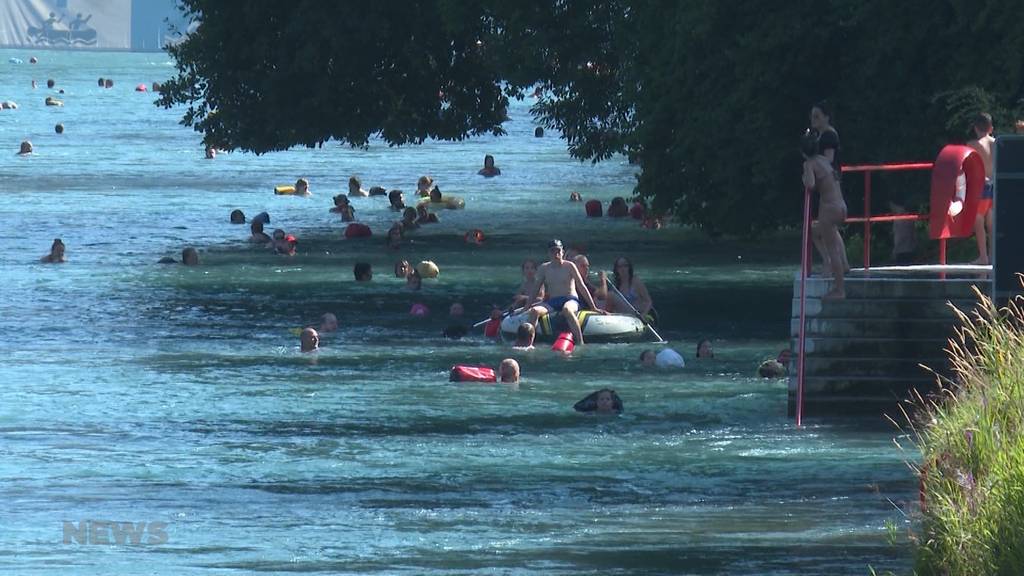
{"x": 302, "y": 182}
{"x": 354, "y": 180}
{"x": 50, "y": 83}
{"x": 645, "y": 353}
{"x": 435, "y": 194}
{"x": 825, "y": 108}
{"x": 701, "y": 343}
{"x": 237, "y": 217}
{"x": 771, "y": 369}
{"x": 108, "y": 83}
{"x": 341, "y": 200}
{"x": 487, "y": 158}
{"x": 809, "y": 144}
{"x": 396, "y": 195}
{"x": 59, "y": 128}
{"x": 256, "y": 225}
{"x": 100, "y": 82}
{"x": 538, "y": 132}
{"x": 615, "y": 270}
{"x": 189, "y": 254}
{"x": 510, "y": 366}
{"x": 982, "y": 121}
{"x": 589, "y": 404}
{"x": 525, "y": 332}
{"x": 409, "y": 213}
{"x": 361, "y": 270}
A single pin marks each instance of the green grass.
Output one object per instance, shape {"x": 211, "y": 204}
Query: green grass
{"x": 972, "y": 450}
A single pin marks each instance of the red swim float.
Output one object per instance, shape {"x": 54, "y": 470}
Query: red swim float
{"x": 564, "y": 343}
{"x": 357, "y": 230}
{"x": 464, "y": 373}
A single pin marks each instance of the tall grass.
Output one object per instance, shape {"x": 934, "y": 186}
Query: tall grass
{"x": 971, "y": 440}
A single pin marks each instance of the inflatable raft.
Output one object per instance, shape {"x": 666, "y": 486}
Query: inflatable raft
{"x": 596, "y": 327}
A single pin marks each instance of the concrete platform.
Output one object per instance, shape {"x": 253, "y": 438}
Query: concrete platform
{"x": 864, "y": 353}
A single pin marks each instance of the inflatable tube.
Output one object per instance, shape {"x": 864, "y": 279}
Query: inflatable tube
{"x": 463, "y": 373}
{"x": 357, "y": 230}
{"x": 284, "y": 190}
{"x": 593, "y": 208}
{"x": 447, "y": 202}
{"x": 564, "y": 343}
{"x": 427, "y": 269}
{"x": 595, "y": 327}
{"x": 951, "y": 162}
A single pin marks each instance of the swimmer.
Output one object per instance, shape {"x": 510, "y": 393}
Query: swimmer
{"x": 328, "y": 322}
{"x": 237, "y": 217}
{"x": 309, "y": 340}
{"x": 704, "y": 349}
{"x": 108, "y": 83}
{"x": 395, "y": 233}
{"x": 409, "y": 219}
{"x": 211, "y": 152}
{"x": 424, "y": 216}
{"x": 397, "y": 200}
{"x": 56, "y": 255}
{"x": 340, "y": 202}
{"x": 424, "y": 185}
{"x": 8, "y": 105}
{"x": 59, "y": 128}
{"x": 100, "y": 82}
{"x": 355, "y": 188}
{"x": 258, "y": 236}
{"x": 575, "y": 196}
{"x": 414, "y": 281}
{"x": 667, "y": 358}
{"x": 50, "y": 83}
{"x": 378, "y": 191}
{"x": 604, "y": 401}
{"x": 287, "y": 248}
{"x": 456, "y": 310}
{"x": 362, "y": 271}
{"x": 509, "y": 371}
{"x": 489, "y": 170}
{"x": 771, "y": 369}
{"x": 402, "y": 269}
{"x": 618, "y": 208}
{"x": 190, "y": 256}
{"x": 435, "y": 195}
{"x": 26, "y": 148}
{"x": 525, "y": 335}
{"x": 278, "y": 243}
{"x": 538, "y": 132}
{"x": 302, "y": 187}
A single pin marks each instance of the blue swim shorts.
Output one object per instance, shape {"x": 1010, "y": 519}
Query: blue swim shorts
{"x": 556, "y": 304}
{"x": 986, "y": 192}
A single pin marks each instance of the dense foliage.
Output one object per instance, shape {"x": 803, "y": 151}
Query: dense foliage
{"x": 972, "y": 447}
{"x": 708, "y": 96}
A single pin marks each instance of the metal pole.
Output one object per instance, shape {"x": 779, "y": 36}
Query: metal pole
{"x": 805, "y": 271}
{"x": 867, "y": 221}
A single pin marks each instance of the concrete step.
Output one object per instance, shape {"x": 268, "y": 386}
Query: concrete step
{"x": 880, "y": 308}
{"x": 914, "y": 288}
{"x": 851, "y": 406}
{"x": 880, "y": 327}
{"x": 872, "y": 347}
{"x": 872, "y": 367}
{"x": 866, "y": 385}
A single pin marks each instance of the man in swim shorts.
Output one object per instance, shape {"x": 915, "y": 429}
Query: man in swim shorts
{"x": 563, "y": 286}
{"x": 982, "y": 144}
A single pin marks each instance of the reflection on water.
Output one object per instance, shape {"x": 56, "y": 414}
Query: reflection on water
{"x": 138, "y": 393}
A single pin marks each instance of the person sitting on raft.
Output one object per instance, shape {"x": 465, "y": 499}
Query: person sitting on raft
{"x": 424, "y": 185}
{"x": 489, "y": 170}
{"x": 525, "y": 336}
{"x": 397, "y": 200}
{"x": 424, "y": 216}
{"x": 529, "y": 268}
{"x": 355, "y": 187}
{"x": 563, "y": 286}
{"x": 600, "y": 290}
{"x": 258, "y": 236}
{"x": 56, "y": 255}
{"x": 631, "y": 288}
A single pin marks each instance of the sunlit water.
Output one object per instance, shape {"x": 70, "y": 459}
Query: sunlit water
{"x": 157, "y": 393}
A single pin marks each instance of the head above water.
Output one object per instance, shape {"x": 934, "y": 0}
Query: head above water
{"x": 704, "y": 349}
{"x": 509, "y": 371}
{"x": 396, "y": 199}
{"x": 488, "y": 161}
{"x": 354, "y": 185}
{"x": 582, "y": 263}
{"x": 435, "y": 194}
{"x": 402, "y": 269}
{"x": 647, "y": 357}
{"x": 328, "y": 322}
{"x": 190, "y": 256}
{"x": 362, "y": 271}
{"x": 525, "y": 335}
{"x": 237, "y": 217}
{"x": 309, "y": 340}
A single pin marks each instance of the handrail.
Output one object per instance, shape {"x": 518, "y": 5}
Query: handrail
{"x": 805, "y": 258}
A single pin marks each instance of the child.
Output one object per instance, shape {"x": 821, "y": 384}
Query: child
{"x": 302, "y": 187}
{"x": 355, "y": 187}
{"x": 529, "y": 268}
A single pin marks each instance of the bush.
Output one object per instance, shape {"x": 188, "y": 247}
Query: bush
{"x": 972, "y": 447}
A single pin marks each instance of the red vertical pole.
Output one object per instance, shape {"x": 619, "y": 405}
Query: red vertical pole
{"x": 867, "y": 220}
{"x": 805, "y": 271}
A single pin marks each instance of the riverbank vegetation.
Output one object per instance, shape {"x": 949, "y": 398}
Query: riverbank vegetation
{"x": 972, "y": 449}
{"x": 708, "y": 97}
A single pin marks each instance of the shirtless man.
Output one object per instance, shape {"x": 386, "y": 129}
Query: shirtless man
{"x": 982, "y": 144}
{"x": 563, "y": 287}
{"x": 56, "y": 255}
{"x": 820, "y": 175}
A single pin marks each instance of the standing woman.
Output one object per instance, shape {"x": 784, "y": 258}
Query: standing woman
{"x": 631, "y": 288}
{"x": 828, "y": 146}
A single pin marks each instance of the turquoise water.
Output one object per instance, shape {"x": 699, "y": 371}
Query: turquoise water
{"x": 136, "y": 392}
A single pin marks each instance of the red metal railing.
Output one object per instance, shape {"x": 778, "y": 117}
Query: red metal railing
{"x": 807, "y": 252}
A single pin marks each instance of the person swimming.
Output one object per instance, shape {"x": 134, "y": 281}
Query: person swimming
{"x": 704, "y": 349}
{"x": 56, "y": 255}
{"x": 237, "y": 217}
{"x": 302, "y": 187}
{"x": 424, "y": 185}
{"x": 309, "y": 340}
{"x": 409, "y": 219}
{"x": 666, "y": 358}
{"x": 25, "y": 149}
{"x": 257, "y": 235}
{"x": 489, "y": 170}
{"x": 508, "y": 371}
{"x": 190, "y": 256}
{"x": 362, "y": 271}
{"x": 424, "y": 216}
{"x": 397, "y": 200}
{"x": 355, "y": 187}
{"x": 328, "y": 322}
{"x": 525, "y": 336}
{"x": 603, "y": 401}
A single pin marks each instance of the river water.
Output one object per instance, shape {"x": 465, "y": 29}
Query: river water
{"x": 175, "y": 398}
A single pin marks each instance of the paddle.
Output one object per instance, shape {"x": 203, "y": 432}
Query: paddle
{"x": 637, "y": 312}
{"x": 505, "y": 314}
